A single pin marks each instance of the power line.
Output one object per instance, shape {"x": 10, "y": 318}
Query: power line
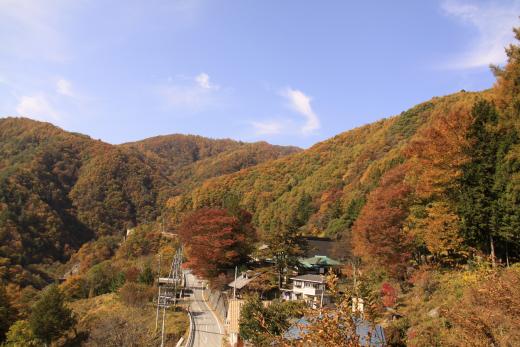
{"x": 168, "y": 287}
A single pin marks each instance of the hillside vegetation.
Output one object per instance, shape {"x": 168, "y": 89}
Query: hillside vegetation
{"x": 425, "y": 207}
{"x": 60, "y": 189}
{"x": 322, "y": 189}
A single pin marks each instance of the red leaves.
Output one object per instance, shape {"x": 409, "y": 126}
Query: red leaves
{"x": 388, "y": 295}
{"x": 216, "y": 240}
{"x": 377, "y": 234}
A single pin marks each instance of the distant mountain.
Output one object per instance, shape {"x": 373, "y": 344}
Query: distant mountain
{"x": 60, "y": 189}
{"x": 188, "y": 160}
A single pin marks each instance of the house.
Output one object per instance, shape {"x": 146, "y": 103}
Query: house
{"x": 240, "y": 283}
{"x": 319, "y": 264}
{"x": 259, "y": 281}
{"x": 310, "y": 288}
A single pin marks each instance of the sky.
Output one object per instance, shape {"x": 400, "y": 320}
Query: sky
{"x": 292, "y": 72}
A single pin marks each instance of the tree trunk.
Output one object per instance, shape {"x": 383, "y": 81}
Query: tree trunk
{"x": 507, "y": 254}
{"x": 492, "y": 250}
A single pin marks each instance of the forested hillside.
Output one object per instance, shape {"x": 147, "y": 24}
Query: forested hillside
{"x": 188, "y": 160}
{"x": 60, "y": 189}
{"x": 322, "y": 189}
{"x": 425, "y": 207}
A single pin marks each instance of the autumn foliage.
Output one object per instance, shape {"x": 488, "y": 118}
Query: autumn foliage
{"x": 216, "y": 240}
{"x": 378, "y": 234}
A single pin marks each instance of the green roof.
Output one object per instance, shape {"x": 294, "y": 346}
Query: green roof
{"x": 319, "y": 260}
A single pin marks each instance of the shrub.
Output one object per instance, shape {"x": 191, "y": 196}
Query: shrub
{"x": 136, "y": 294}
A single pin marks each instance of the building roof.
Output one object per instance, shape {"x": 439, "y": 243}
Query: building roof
{"x": 319, "y": 260}
{"x": 310, "y": 278}
{"x": 243, "y": 279}
{"x": 368, "y": 335}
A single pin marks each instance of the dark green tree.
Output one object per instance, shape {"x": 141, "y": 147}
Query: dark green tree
{"x": 147, "y": 275}
{"x": 50, "y": 318}
{"x": 507, "y": 98}
{"x": 489, "y": 202}
{"x": 262, "y": 325}
{"x": 285, "y": 245}
{"x": 6, "y": 313}
{"x": 478, "y": 200}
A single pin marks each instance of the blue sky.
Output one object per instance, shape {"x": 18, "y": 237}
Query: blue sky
{"x": 289, "y": 72}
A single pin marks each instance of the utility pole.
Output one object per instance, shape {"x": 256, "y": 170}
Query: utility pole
{"x": 162, "y": 330}
{"x": 165, "y": 298}
{"x": 235, "y": 284}
{"x": 159, "y": 294}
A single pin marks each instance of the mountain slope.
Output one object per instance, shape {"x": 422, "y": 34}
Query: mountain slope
{"x": 321, "y": 189}
{"x": 188, "y": 160}
{"x": 59, "y": 189}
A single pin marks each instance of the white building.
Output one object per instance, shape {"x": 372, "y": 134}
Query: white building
{"x": 309, "y": 288}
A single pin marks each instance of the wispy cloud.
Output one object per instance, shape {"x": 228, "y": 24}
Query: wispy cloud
{"x": 37, "y": 107}
{"x": 64, "y": 87}
{"x": 203, "y": 81}
{"x": 301, "y": 104}
{"x": 268, "y": 127}
{"x": 191, "y": 94}
{"x": 493, "y": 21}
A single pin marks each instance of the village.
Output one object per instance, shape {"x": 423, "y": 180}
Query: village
{"x": 215, "y": 314}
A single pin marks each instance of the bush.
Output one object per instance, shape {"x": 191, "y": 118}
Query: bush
{"x": 21, "y": 335}
{"x": 136, "y": 294}
{"x": 75, "y": 287}
{"x": 104, "y": 278}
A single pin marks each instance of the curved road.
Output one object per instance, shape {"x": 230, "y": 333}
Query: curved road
{"x": 208, "y": 330}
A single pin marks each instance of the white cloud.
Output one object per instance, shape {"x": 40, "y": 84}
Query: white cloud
{"x": 36, "y": 107}
{"x": 202, "y": 80}
{"x": 195, "y": 95}
{"x": 64, "y": 87}
{"x": 301, "y": 103}
{"x": 493, "y": 22}
{"x": 268, "y": 127}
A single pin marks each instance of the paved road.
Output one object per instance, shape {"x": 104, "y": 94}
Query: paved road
{"x": 208, "y": 330}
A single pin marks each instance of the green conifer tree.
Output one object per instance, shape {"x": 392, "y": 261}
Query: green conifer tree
{"x": 478, "y": 201}
{"x": 50, "y": 318}
{"x": 6, "y": 313}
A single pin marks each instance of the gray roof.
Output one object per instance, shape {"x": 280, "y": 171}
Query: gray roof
{"x": 310, "y": 278}
{"x": 244, "y": 279}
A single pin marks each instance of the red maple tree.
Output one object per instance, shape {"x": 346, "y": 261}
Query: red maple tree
{"x": 216, "y": 240}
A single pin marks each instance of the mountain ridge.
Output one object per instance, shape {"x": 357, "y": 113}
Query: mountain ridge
{"x": 60, "y": 189}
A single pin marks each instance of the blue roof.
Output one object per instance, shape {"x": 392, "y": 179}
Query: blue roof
{"x": 363, "y": 327}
